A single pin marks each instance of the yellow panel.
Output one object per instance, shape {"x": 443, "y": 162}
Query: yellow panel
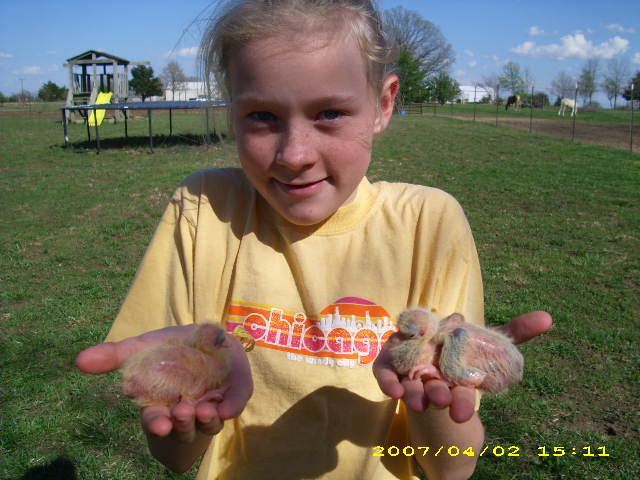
{"x": 99, "y": 114}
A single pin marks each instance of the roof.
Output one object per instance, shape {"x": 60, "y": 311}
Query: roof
{"x": 88, "y": 55}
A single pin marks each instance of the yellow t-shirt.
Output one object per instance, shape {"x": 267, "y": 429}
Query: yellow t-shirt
{"x": 319, "y": 301}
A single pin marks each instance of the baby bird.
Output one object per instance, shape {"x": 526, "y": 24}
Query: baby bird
{"x": 456, "y": 351}
{"x": 177, "y": 370}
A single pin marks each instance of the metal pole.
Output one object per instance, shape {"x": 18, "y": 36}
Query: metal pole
{"x": 497, "y": 97}
{"x": 126, "y": 127}
{"x": 95, "y": 122}
{"x": 475, "y": 104}
{"x": 150, "y": 132}
{"x": 206, "y": 113}
{"x": 531, "y": 111}
{"x": 631, "y": 125}
{"x": 64, "y": 126}
{"x": 575, "y": 106}
{"x": 86, "y": 115}
{"x": 170, "y": 124}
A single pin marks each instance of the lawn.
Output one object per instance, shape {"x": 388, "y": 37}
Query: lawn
{"x": 556, "y": 224}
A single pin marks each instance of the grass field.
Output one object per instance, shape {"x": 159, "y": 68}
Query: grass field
{"x": 556, "y": 224}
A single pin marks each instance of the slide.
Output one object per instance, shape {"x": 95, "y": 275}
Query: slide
{"x": 99, "y": 114}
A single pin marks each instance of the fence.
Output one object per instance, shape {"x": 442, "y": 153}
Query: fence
{"x": 616, "y": 128}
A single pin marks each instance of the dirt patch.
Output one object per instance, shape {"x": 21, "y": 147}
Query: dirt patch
{"x": 608, "y": 135}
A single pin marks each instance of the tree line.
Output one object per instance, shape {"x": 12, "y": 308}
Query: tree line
{"x": 424, "y": 58}
{"x": 614, "y": 82}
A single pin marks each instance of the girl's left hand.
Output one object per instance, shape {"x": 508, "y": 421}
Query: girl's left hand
{"x": 460, "y": 400}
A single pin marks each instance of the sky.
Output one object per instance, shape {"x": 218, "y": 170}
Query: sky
{"x": 547, "y": 37}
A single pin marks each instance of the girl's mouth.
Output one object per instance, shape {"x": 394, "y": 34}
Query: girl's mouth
{"x": 301, "y": 189}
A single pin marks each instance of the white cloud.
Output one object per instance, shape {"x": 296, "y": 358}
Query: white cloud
{"x": 468, "y": 53}
{"x": 535, "y": 31}
{"x": 472, "y": 64}
{"x": 575, "y": 46}
{"x": 616, "y": 27}
{"x": 36, "y": 70}
{"x": 51, "y": 52}
{"x": 183, "y": 52}
{"x": 32, "y": 70}
{"x": 636, "y": 58}
{"x": 6, "y": 55}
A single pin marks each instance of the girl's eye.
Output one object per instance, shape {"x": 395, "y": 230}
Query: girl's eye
{"x": 330, "y": 115}
{"x": 264, "y": 117}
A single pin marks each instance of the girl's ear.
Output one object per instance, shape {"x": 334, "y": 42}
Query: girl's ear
{"x": 390, "y": 89}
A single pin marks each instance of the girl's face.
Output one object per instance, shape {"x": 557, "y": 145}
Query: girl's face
{"x": 305, "y": 117}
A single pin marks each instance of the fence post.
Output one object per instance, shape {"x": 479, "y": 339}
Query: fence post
{"x": 497, "y": 97}
{"x": 531, "y": 110}
{"x": 475, "y": 89}
{"x": 631, "y": 126}
{"x": 575, "y": 108}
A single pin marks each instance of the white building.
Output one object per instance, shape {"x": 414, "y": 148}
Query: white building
{"x": 190, "y": 91}
{"x": 471, "y": 93}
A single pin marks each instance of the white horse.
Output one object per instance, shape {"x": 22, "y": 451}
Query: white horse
{"x": 568, "y": 103}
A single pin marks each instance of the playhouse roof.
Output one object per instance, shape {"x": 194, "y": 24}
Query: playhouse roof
{"x": 100, "y": 58}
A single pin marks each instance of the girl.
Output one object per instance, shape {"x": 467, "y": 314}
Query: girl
{"x": 311, "y": 259}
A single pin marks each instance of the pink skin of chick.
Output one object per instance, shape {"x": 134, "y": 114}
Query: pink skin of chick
{"x": 455, "y": 351}
{"x": 192, "y": 370}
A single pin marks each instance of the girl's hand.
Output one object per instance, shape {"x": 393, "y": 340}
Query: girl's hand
{"x": 185, "y": 419}
{"x": 460, "y": 400}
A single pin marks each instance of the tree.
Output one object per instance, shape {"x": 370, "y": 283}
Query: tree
{"x": 420, "y": 38}
{"x": 3, "y": 99}
{"x": 512, "y": 80}
{"x": 563, "y": 86}
{"x": 412, "y": 79}
{"x": 587, "y": 83}
{"x": 144, "y": 83}
{"x": 173, "y": 77}
{"x": 636, "y": 88}
{"x": 50, "y": 92}
{"x": 492, "y": 82}
{"x": 615, "y": 78}
{"x": 443, "y": 88}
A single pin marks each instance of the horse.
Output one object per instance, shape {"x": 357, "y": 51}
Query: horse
{"x": 514, "y": 100}
{"x": 570, "y": 103}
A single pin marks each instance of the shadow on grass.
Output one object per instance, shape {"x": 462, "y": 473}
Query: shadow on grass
{"x": 59, "y": 469}
{"x": 159, "y": 141}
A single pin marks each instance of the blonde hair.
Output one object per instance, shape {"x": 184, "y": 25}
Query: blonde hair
{"x": 239, "y": 22}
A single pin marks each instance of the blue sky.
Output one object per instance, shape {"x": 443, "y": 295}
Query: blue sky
{"x": 36, "y": 37}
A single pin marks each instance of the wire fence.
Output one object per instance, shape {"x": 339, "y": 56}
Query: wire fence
{"x": 540, "y": 112}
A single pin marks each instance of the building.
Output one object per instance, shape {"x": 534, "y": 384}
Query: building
{"x": 475, "y": 93}
{"x": 190, "y": 90}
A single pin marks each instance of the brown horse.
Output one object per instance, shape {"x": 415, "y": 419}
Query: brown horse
{"x": 514, "y": 100}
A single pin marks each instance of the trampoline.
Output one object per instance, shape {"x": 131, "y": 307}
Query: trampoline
{"x": 148, "y": 106}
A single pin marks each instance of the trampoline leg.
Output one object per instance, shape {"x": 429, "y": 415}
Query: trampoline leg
{"x": 95, "y": 121}
{"x": 170, "y": 124}
{"x": 150, "y": 133}
{"x": 126, "y": 127}
{"x": 65, "y": 128}
{"x": 86, "y": 115}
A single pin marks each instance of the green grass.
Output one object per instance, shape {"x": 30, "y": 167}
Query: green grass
{"x": 601, "y": 116}
{"x": 556, "y": 224}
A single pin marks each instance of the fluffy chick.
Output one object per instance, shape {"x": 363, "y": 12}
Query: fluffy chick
{"x": 455, "y": 351}
{"x": 177, "y": 370}
{"x": 413, "y": 350}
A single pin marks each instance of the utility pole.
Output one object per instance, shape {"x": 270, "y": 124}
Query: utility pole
{"x": 22, "y": 90}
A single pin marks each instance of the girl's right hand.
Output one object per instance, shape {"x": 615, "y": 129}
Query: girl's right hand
{"x": 185, "y": 419}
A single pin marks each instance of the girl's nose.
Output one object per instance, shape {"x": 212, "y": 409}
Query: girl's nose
{"x": 295, "y": 151}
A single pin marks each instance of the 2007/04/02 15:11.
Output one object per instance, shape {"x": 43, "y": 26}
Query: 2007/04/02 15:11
{"x": 496, "y": 451}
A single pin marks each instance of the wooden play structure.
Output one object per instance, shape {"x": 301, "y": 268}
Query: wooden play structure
{"x": 92, "y": 72}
